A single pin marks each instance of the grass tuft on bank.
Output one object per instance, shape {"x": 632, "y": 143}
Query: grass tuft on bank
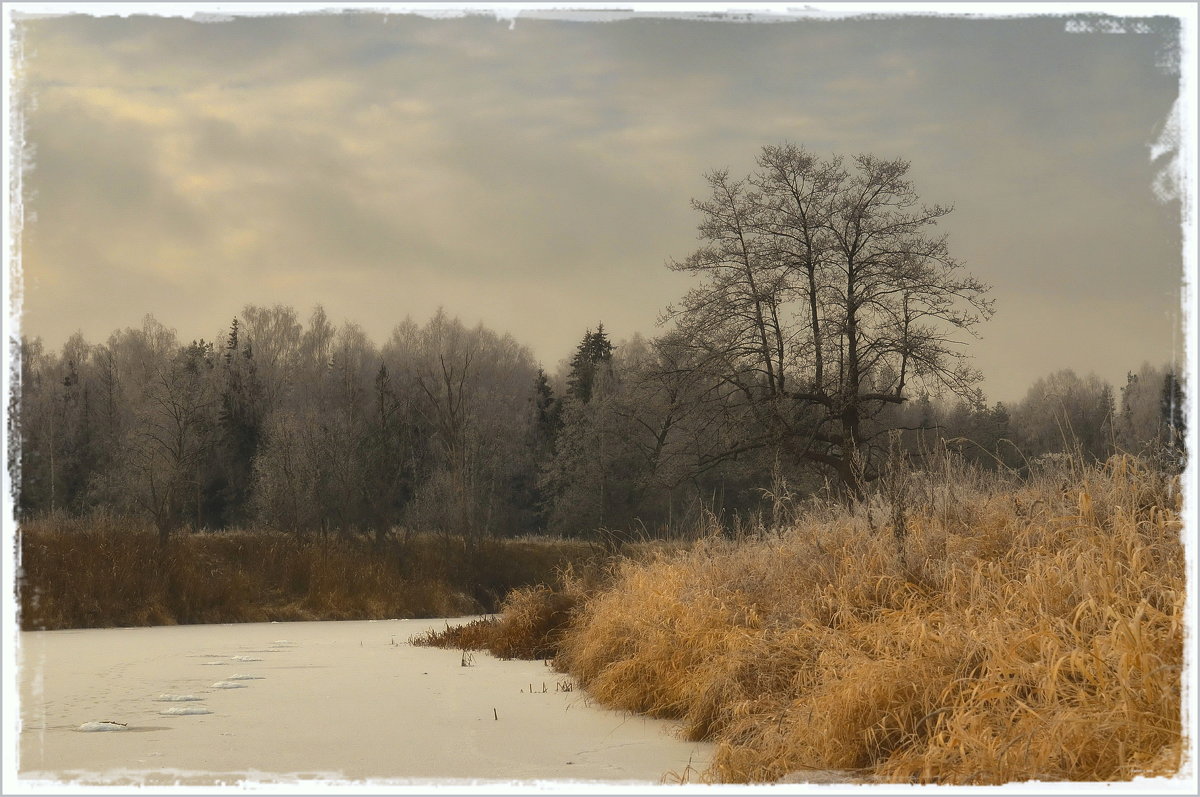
{"x": 531, "y": 624}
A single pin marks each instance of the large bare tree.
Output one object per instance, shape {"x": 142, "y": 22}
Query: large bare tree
{"x": 825, "y": 296}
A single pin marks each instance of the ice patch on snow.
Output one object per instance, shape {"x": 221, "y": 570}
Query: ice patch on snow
{"x": 184, "y": 710}
{"x": 246, "y": 658}
{"x": 244, "y": 677}
{"x": 215, "y": 663}
{"x": 92, "y": 727}
{"x": 228, "y": 685}
{"x": 176, "y": 698}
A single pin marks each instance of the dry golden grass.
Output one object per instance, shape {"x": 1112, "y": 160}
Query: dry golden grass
{"x": 530, "y": 626}
{"x": 532, "y": 619}
{"x": 106, "y": 571}
{"x": 473, "y": 635}
{"x": 1017, "y": 631}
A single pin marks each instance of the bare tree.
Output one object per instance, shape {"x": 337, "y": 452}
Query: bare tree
{"x": 825, "y": 297}
{"x": 273, "y": 333}
{"x": 159, "y": 465}
{"x": 1066, "y": 413}
{"x": 471, "y": 389}
{"x": 291, "y": 474}
{"x": 1151, "y": 421}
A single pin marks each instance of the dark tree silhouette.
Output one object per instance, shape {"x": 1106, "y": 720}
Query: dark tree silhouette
{"x": 825, "y": 296}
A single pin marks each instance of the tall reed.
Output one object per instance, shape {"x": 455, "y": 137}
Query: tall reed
{"x": 1009, "y": 631}
{"x": 109, "y": 571}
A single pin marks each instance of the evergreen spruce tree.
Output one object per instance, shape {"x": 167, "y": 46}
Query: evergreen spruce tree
{"x": 592, "y": 355}
{"x": 547, "y": 413}
{"x": 1175, "y": 421}
{"x": 240, "y": 422}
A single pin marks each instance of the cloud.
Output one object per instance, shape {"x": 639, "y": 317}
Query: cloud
{"x": 539, "y": 176}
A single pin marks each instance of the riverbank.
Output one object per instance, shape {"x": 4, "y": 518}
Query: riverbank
{"x": 958, "y": 628}
{"x": 965, "y": 630}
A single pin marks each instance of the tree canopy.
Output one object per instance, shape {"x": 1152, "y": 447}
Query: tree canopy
{"x": 825, "y": 296}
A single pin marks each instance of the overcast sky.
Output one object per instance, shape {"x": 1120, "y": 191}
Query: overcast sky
{"x": 537, "y": 178}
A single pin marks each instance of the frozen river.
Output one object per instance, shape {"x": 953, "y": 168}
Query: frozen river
{"x": 331, "y": 701}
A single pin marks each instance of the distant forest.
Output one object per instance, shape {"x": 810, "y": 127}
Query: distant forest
{"x": 309, "y": 428}
{"x": 823, "y": 342}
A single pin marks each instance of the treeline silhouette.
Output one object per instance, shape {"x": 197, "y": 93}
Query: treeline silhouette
{"x": 311, "y": 428}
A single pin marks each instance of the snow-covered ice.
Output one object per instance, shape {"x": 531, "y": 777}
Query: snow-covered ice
{"x": 351, "y": 698}
{"x": 92, "y": 727}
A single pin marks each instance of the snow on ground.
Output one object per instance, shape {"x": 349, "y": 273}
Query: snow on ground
{"x": 342, "y": 701}
{"x": 92, "y": 727}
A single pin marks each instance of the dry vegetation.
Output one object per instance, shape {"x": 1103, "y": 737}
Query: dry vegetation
{"x": 530, "y": 626}
{"x": 957, "y": 628}
{"x": 106, "y": 571}
{"x": 1010, "y": 631}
